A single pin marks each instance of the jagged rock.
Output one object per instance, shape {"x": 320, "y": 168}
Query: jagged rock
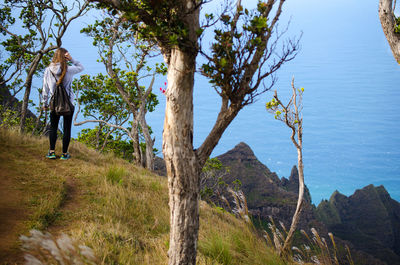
{"x": 292, "y": 184}
{"x": 266, "y": 194}
{"x": 369, "y": 219}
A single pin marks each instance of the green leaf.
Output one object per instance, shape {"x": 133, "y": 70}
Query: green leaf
{"x": 223, "y": 62}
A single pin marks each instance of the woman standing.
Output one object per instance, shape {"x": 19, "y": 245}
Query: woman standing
{"x": 59, "y": 72}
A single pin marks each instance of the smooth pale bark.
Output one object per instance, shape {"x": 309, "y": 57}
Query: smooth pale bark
{"x": 296, "y": 126}
{"x": 180, "y": 158}
{"x": 134, "y": 135}
{"x": 149, "y": 143}
{"x": 181, "y": 162}
{"x": 299, "y": 207}
{"x": 386, "y": 15}
{"x": 149, "y": 160}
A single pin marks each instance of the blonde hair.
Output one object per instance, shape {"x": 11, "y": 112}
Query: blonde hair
{"x": 59, "y": 57}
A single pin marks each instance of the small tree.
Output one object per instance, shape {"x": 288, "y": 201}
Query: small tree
{"x": 212, "y": 185}
{"x": 291, "y": 115}
{"x": 390, "y": 26}
{"x": 121, "y": 48}
{"x": 44, "y": 23}
{"x": 104, "y": 105}
{"x": 101, "y": 101}
{"x": 107, "y": 139}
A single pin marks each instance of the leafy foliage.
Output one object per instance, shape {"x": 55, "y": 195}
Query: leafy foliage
{"x": 100, "y": 139}
{"x": 100, "y": 98}
{"x": 157, "y": 21}
{"x": 397, "y": 25}
{"x": 215, "y": 190}
{"x": 287, "y": 113}
{"x": 242, "y": 46}
{"x": 10, "y": 118}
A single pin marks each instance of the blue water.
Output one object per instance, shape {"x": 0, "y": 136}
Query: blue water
{"x": 351, "y": 112}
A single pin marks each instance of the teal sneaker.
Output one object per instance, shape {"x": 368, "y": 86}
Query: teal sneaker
{"x": 65, "y": 156}
{"x": 51, "y": 155}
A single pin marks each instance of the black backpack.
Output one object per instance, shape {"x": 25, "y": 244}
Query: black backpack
{"x": 60, "y": 102}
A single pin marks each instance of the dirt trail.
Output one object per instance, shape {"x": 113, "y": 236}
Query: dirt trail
{"x": 14, "y": 211}
{"x": 12, "y": 215}
{"x": 70, "y": 203}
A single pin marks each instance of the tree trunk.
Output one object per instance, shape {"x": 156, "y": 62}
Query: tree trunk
{"x": 387, "y": 18}
{"x": 181, "y": 162}
{"x": 38, "y": 122}
{"x": 295, "y": 102}
{"x": 28, "y": 85}
{"x": 110, "y": 131}
{"x": 98, "y": 135}
{"x": 149, "y": 144}
{"x": 135, "y": 140}
{"x": 300, "y": 204}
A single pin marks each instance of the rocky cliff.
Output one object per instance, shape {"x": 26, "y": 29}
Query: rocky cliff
{"x": 369, "y": 218}
{"x": 267, "y": 194}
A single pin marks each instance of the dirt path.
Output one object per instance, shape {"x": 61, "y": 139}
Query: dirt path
{"x": 14, "y": 200}
{"x": 12, "y": 217}
{"x": 71, "y": 203}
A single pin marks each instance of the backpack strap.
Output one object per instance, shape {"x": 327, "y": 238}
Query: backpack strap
{"x": 54, "y": 76}
{"x": 69, "y": 95}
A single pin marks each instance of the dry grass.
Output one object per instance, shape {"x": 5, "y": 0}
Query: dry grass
{"x": 118, "y": 210}
{"x": 314, "y": 250}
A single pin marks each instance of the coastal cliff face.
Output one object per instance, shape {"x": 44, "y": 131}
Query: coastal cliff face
{"x": 369, "y": 218}
{"x": 266, "y": 194}
{"x": 368, "y": 221}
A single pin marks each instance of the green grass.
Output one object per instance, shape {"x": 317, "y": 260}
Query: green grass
{"x": 117, "y": 209}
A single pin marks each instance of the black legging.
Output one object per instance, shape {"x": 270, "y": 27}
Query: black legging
{"x": 54, "y": 119}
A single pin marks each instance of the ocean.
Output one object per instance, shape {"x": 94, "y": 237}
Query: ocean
{"x": 351, "y": 113}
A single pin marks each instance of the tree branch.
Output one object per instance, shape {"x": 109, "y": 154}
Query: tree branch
{"x": 225, "y": 117}
{"x": 96, "y": 120}
{"x": 387, "y": 18}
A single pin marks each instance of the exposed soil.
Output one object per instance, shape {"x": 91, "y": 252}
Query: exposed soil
{"x": 12, "y": 215}
{"x": 14, "y": 212}
{"x": 69, "y": 204}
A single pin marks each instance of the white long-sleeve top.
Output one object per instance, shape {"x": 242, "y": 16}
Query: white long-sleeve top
{"x": 49, "y": 82}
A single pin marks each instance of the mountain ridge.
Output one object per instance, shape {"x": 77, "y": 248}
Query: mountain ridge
{"x": 269, "y": 195}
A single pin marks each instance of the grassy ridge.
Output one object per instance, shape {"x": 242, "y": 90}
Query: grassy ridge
{"x": 117, "y": 209}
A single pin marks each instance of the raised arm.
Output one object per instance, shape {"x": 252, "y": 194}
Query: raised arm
{"x": 77, "y": 67}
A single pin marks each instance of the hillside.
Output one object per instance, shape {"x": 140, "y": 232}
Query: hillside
{"x": 117, "y": 209}
{"x": 369, "y": 218}
{"x": 368, "y": 221}
{"x": 267, "y": 194}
